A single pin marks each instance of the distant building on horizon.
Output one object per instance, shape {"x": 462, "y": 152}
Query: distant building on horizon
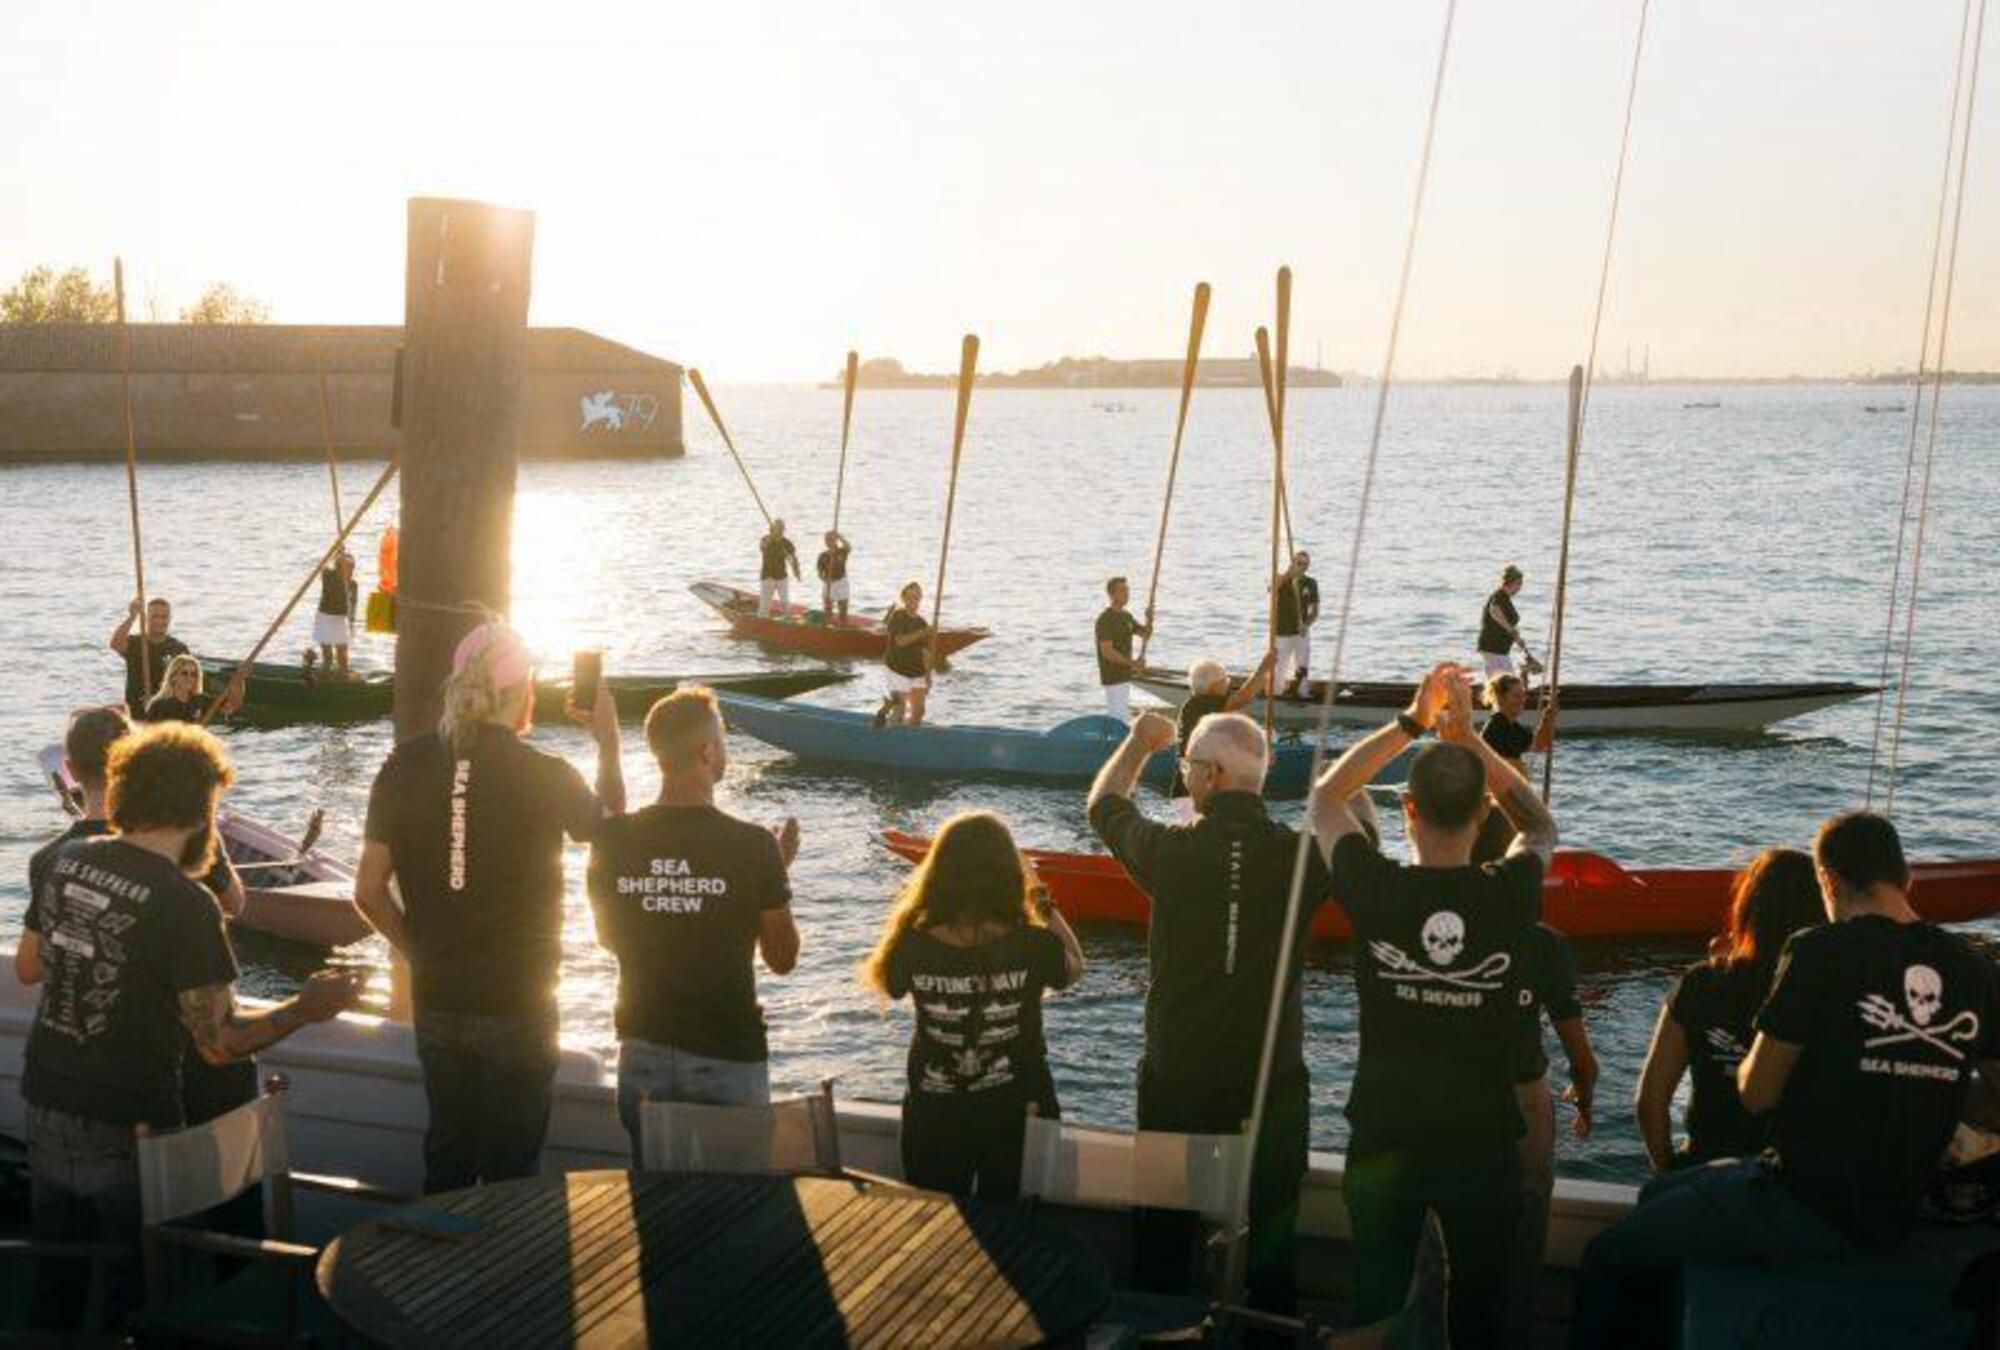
{"x": 251, "y": 391}
{"x": 1095, "y": 372}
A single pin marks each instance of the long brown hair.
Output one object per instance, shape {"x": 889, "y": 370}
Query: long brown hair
{"x": 973, "y": 875}
{"x": 1773, "y": 898}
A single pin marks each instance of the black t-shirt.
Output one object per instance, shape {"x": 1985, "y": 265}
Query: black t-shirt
{"x": 1715, "y": 1007}
{"x": 1218, "y": 888}
{"x": 777, "y": 552}
{"x": 124, "y": 934}
{"x": 1548, "y": 985}
{"x": 832, "y": 564}
{"x": 1890, "y": 1019}
{"x": 167, "y": 708}
{"x": 477, "y": 844}
{"x": 336, "y": 596}
{"x": 1115, "y": 626}
{"x": 1197, "y": 707}
{"x": 680, "y": 894}
{"x": 1509, "y": 739}
{"x": 1438, "y": 973}
{"x": 163, "y": 651}
{"x": 979, "y": 1014}
{"x": 908, "y": 660}
{"x": 1298, "y": 606}
{"x": 1492, "y": 637}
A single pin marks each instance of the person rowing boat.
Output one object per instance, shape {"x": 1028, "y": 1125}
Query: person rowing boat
{"x": 158, "y": 645}
{"x": 1500, "y": 629}
{"x": 1507, "y": 696}
{"x": 906, "y": 659}
{"x": 1297, "y": 610}
{"x": 1115, "y": 663}
{"x": 774, "y": 586}
{"x": 832, "y": 569}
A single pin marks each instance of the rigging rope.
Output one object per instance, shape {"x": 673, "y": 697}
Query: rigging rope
{"x": 1937, "y": 393}
{"x": 1589, "y": 379}
{"x": 1282, "y": 974}
{"x": 1917, "y": 402}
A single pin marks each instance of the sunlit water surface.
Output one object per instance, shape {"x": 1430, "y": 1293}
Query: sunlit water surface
{"x": 1750, "y": 541}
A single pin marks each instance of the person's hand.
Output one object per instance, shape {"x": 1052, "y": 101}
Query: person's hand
{"x": 132, "y": 610}
{"x": 1433, "y": 694}
{"x": 329, "y": 993}
{"x": 787, "y": 835}
{"x": 1582, "y": 1088}
{"x": 1154, "y": 731}
{"x": 1455, "y": 723}
{"x": 233, "y": 694}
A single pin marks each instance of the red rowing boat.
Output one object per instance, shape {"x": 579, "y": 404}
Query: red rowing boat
{"x": 1584, "y": 895}
{"x": 799, "y": 629}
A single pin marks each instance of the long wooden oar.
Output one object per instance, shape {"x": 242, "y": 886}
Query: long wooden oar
{"x": 1196, "y": 325}
{"x": 968, "y": 362}
{"x": 701, "y": 389}
{"x": 1284, "y": 364}
{"x": 242, "y": 672}
{"x": 1552, "y": 688}
{"x": 1277, "y": 513}
{"x": 326, "y": 434}
{"x": 132, "y": 477}
{"x": 846, "y": 421}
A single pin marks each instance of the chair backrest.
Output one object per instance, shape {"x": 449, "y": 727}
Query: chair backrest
{"x": 1109, "y": 1169}
{"x": 202, "y": 1166}
{"x": 796, "y": 1136}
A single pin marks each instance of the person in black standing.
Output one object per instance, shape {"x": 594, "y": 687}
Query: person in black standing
{"x": 832, "y": 568}
{"x": 1500, "y": 627}
{"x": 135, "y": 971}
{"x": 1115, "y": 666}
{"x": 1435, "y": 1123}
{"x": 1209, "y": 692}
{"x": 470, "y": 821}
{"x": 1863, "y": 1059}
{"x": 779, "y": 564}
{"x": 1297, "y": 597}
{"x": 1705, "y": 1026}
{"x": 906, "y": 660}
{"x": 1219, "y": 888}
{"x": 158, "y": 645}
{"x": 333, "y": 624}
{"x": 685, "y": 895}
{"x": 1507, "y": 696}
{"x": 974, "y": 943}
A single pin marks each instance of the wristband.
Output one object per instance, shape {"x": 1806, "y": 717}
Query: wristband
{"x": 1410, "y": 726}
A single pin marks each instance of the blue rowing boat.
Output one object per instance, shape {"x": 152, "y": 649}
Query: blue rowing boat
{"x": 1070, "y": 752}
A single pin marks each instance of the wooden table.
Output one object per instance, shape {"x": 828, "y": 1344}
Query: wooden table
{"x": 631, "y": 1258}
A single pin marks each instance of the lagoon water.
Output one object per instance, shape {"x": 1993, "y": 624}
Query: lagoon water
{"x": 1749, "y": 541}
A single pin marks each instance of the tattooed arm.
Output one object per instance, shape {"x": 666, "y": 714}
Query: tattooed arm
{"x": 1517, "y": 797}
{"x": 222, "y": 1032}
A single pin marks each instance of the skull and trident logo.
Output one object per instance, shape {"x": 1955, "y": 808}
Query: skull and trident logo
{"x": 1923, "y": 995}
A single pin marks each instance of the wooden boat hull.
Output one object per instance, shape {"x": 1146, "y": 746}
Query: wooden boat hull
{"x": 278, "y": 695}
{"x": 1070, "y": 753}
{"x": 1586, "y": 708}
{"x": 1585, "y": 895}
{"x": 858, "y": 639}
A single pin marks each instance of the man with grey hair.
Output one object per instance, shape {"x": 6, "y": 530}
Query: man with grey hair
{"x": 1218, "y": 886}
{"x": 1209, "y": 692}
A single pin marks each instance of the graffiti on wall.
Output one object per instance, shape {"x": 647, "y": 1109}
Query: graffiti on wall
{"x": 613, "y": 411}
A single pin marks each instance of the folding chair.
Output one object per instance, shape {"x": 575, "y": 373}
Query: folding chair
{"x": 189, "y": 1171}
{"x": 794, "y": 1137}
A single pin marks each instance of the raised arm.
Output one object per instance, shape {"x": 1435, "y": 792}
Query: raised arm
{"x": 222, "y": 1033}
{"x": 1666, "y": 1061}
{"x": 1518, "y": 800}
{"x": 1119, "y": 777}
{"x": 122, "y": 634}
{"x": 1256, "y": 684}
{"x": 1328, "y": 809}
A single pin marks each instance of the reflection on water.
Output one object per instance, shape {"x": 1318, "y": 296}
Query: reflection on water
{"x": 1749, "y": 542}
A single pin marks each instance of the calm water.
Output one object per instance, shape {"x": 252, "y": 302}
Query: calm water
{"x": 1751, "y": 541}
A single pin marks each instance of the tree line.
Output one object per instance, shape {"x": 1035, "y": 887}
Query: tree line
{"x": 71, "y": 295}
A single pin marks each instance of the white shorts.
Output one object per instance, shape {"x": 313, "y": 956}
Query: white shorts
{"x": 1118, "y": 700}
{"x": 331, "y": 630}
{"x": 836, "y": 591}
{"x": 1294, "y": 655}
{"x": 1497, "y": 663}
{"x": 900, "y": 684}
{"x": 770, "y": 589}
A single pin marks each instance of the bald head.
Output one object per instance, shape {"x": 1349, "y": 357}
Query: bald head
{"x": 1234, "y": 746}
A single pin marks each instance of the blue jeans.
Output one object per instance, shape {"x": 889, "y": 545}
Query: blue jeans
{"x": 488, "y": 1080}
{"x": 83, "y": 1186}
{"x": 1728, "y": 1212}
{"x": 669, "y": 1075}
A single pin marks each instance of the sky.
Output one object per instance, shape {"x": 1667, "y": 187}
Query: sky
{"x": 754, "y": 188}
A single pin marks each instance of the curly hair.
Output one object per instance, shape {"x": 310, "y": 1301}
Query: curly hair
{"x": 165, "y": 777}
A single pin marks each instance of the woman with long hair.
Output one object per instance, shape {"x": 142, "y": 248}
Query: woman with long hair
{"x": 178, "y": 699}
{"x": 974, "y": 942}
{"x": 1705, "y": 1027}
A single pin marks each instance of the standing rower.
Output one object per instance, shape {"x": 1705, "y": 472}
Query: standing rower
{"x": 773, "y": 583}
{"x": 832, "y": 568}
{"x": 158, "y": 646}
{"x": 1500, "y": 628}
{"x": 907, "y": 658}
{"x": 1115, "y": 664}
{"x": 1298, "y": 609}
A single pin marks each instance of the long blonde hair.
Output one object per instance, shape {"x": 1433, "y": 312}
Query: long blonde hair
{"x": 469, "y": 701}
{"x": 166, "y": 689}
{"x": 973, "y": 874}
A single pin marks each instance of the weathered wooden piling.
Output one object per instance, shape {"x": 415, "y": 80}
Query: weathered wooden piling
{"x": 465, "y": 315}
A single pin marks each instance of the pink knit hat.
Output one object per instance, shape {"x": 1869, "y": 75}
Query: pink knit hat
{"x": 508, "y": 660}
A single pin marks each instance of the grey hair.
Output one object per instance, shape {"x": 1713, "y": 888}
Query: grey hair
{"x": 1205, "y": 674}
{"x": 1235, "y": 745}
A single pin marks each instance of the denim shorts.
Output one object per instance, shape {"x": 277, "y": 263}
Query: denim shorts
{"x": 666, "y": 1074}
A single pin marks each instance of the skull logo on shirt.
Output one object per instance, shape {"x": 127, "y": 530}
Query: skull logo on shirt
{"x": 1444, "y": 937}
